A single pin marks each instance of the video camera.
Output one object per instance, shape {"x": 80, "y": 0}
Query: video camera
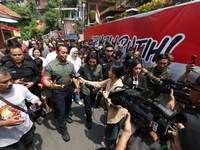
{"x": 147, "y": 114}
{"x": 180, "y": 93}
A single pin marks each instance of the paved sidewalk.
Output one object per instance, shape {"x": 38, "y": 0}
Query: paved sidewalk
{"x": 48, "y": 138}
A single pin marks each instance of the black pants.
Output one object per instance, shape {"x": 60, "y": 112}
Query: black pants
{"x": 89, "y": 101}
{"x": 26, "y": 139}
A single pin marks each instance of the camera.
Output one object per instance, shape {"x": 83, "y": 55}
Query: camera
{"x": 147, "y": 114}
{"x": 180, "y": 92}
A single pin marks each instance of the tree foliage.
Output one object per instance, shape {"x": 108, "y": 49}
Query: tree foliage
{"x": 50, "y": 18}
{"x": 27, "y": 24}
{"x": 53, "y": 4}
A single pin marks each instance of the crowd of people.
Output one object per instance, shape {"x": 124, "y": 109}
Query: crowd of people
{"x": 64, "y": 70}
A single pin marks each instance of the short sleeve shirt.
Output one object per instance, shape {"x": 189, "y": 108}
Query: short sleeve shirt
{"x": 60, "y": 72}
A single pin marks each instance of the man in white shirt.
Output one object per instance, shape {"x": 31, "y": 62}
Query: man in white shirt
{"x": 15, "y": 125}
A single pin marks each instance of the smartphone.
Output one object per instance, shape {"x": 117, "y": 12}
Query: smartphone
{"x": 35, "y": 107}
{"x": 193, "y": 59}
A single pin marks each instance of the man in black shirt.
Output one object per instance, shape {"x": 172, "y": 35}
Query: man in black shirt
{"x": 107, "y": 61}
{"x": 24, "y": 72}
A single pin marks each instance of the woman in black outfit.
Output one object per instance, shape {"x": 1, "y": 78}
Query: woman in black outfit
{"x": 134, "y": 77}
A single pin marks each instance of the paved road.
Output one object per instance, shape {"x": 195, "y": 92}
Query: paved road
{"x": 48, "y": 138}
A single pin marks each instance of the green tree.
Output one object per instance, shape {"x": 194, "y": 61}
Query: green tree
{"x": 70, "y": 3}
{"x": 50, "y": 18}
{"x": 53, "y": 4}
{"x": 27, "y": 24}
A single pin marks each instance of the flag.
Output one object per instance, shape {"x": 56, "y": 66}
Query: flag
{"x": 97, "y": 16}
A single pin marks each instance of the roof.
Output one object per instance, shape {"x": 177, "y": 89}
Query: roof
{"x": 7, "y": 13}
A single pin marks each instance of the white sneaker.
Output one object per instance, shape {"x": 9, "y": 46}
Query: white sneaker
{"x": 80, "y": 103}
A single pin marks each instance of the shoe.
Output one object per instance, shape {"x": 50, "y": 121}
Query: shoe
{"x": 43, "y": 113}
{"x": 39, "y": 121}
{"x": 80, "y": 103}
{"x": 65, "y": 136}
{"x": 103, "y": 144}
{"x": 89, "y": 125}
{"x": 69, "y": 120}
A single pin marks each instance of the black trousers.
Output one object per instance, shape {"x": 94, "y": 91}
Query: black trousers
{"x": 89, "y": 101}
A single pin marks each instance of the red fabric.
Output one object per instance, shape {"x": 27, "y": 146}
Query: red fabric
{"x": 174, "y": 30}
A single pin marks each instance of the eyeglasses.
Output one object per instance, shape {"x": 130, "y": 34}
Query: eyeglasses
{"x": 33, "y": 43}
{"x": 39, "y": 43}
{"x": 109, "y": 50}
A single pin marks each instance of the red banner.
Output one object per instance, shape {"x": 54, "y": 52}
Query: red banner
{"x": 171, "y": 30}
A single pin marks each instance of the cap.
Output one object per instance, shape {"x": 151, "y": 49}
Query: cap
{"x": 129, "y": 57}
{"x": 194, "y": 78}
{"x": 189, "y": 137}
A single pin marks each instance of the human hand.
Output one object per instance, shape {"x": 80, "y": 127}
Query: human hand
{"x": 189, "y": 67}
{"x": 144, "y": 70}
{"x": 28, "y": 84}
{"x": 13, "y": 121}
{"x": 129, "y": 127}
{"x": 178, "y": 126}
{"x": 76, "y": 91}
{"x": 54, "y": 85}
{"x": 38, "y": 102}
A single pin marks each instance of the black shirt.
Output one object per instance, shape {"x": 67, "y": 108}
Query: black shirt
{"x": 28, "y": 71}
{"x": 192, "y": 115}
{"x": 106, "y": 66}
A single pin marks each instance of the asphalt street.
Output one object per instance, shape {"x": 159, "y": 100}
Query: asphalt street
{"x": 47, "y": 136}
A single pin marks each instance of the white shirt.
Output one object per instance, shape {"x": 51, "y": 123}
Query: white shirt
{"x": 12, "y": 134}
{"x": 51, "y": 56}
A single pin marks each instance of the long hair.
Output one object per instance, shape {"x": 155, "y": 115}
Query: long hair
{"x": 129, "y": 75}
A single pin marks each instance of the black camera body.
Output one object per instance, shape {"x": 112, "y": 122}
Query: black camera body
{"x": 145, "y": 113}
{"x": 181, "y": 94}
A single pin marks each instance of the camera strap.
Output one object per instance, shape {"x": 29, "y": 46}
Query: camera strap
{"x": 15, "y": 106}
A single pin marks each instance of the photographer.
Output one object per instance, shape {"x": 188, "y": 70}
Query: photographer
{"x": 186, "y": 139}
{"x": 192, "y": 114}
{"x": 132, "y": 138}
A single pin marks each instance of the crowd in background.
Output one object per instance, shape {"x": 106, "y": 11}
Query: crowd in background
{"x": 88, "y": 72}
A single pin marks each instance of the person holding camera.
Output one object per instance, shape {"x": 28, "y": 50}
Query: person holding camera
{"x": 116, "y": 113}
{"x": 192, "y": 113}
{"x": 90, "y": 71}
{"x": 134, "y": 139}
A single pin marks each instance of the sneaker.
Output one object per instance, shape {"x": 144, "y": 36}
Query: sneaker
{"x": 65, "y": 136}
{"x": 69, "y": 120}
{"x": 89, "y": 125}
{"x": 80, "y": 103}
{"x": 39, "y": 121}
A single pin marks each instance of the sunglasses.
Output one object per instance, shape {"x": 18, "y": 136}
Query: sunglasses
{"x": 109, "y": 50}
{"x": 39, "y": 43}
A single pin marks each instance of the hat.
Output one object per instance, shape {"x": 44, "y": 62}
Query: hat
{"x": 66, "y": 39}
{"x": 120, "y": 45}
{"x": 129, "y": 57}
{"x": 194, "y": 78}
{"x": 189, "y": 137}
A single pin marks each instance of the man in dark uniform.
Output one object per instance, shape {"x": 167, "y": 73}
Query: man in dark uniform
{"x": 24, "y": 72}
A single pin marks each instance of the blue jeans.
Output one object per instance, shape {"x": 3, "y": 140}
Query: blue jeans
{"x": 62, "y": 100}
{"x": 75, "y": 96}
